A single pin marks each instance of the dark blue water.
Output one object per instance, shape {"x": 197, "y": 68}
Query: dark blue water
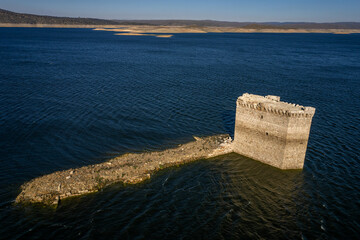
{"x": 74, "y": 97}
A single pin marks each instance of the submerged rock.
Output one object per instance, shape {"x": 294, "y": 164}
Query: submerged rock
{"x": 129, "y": 168}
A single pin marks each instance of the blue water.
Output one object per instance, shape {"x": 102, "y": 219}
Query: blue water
{"x": 74, "y": 97}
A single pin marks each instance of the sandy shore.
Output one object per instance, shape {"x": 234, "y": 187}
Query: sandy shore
{"x": 129, "y": 168}
{"x": 182, "y": 29}
{"x": 143, "y": 34}
{"x": 161, "y": 30}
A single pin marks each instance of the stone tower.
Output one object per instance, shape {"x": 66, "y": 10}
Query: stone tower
{"x": 271, "y": 131}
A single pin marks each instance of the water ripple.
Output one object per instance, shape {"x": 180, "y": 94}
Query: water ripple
{"x": 72, "y": 97}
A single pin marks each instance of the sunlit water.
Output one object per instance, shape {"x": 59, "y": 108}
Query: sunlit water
{"x": 74, "y": 97}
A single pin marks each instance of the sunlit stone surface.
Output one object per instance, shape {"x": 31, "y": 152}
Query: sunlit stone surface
{"x": 271, "y": 131}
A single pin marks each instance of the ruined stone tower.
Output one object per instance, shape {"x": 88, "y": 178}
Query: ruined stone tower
{"x": 271, "y": 131}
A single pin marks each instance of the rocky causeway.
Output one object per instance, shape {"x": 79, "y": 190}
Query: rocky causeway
{"x": 129, "y": 168}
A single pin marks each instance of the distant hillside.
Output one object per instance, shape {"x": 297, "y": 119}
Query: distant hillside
{"x": 12, "y": 17}
{"x": 198, "y": 23}
{"x": 312, "y": 25}
{"x": 252, "y": 25}
{"x": 17, "y": 18}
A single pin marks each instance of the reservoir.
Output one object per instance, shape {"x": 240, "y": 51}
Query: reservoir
{"x": 76, "y": 97}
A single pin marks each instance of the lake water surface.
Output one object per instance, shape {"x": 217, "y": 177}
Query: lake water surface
{"x": 74, "y": 97}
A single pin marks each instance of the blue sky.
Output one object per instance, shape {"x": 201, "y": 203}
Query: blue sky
{"x": 228, "y": 10}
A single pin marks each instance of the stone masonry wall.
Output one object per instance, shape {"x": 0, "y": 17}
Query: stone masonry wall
{"x": 273, "y": 132}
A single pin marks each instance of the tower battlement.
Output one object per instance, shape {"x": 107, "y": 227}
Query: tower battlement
{"x": 272, "y": 131}
{"x": 272, "y": 104}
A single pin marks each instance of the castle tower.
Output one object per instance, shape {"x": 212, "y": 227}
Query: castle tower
{"x": 271, "y": 131}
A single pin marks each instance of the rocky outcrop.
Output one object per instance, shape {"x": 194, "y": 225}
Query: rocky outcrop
{"x": 129, "y": 168}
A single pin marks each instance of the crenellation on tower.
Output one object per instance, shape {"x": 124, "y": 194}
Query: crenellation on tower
{"x": 272, "y": 131}
{"x": 274, "y": 105}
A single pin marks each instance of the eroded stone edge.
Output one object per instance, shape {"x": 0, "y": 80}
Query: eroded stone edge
{"x": 130, "y": 168}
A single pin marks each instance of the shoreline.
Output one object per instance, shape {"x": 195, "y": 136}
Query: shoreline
{"x": 130, "y": 168}
{"x": 181, "y": 29}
